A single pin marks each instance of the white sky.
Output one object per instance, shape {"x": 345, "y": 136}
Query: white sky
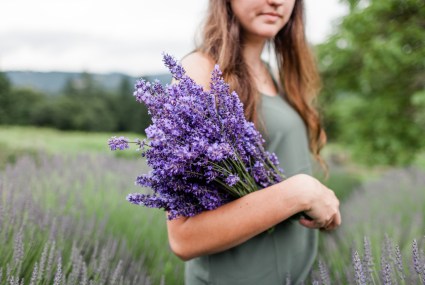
{"x": 114, "y": 36}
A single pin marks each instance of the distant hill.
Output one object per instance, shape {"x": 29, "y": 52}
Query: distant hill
{"x": 53, "y": 82}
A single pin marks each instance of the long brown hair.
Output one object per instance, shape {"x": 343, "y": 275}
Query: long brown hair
{"x": 222, "y": 41}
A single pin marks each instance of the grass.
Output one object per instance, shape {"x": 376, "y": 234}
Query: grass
{"x": 18, "y": 141}
{"x": 53, "y": 141}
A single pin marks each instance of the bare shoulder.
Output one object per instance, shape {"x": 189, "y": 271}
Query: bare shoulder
{"x": 198, "y": 66}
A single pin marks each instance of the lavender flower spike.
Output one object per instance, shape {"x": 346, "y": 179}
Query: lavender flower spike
{"x": 358, "y": 270}
{"x": 415, "y": 256}
{"x": 176, "y": 70}
{"x": 120, "y": 143}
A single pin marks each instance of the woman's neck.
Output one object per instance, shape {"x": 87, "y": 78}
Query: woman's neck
{"x": 252, "y": 50}
{"x": 260, "y": 74}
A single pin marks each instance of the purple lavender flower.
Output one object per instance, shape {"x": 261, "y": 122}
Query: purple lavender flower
{"x": 140, "y": 144}
{"x": 232, "y": 180}
{"x": 202, "y": 151}
{"x": 367, "y": 260}
{"x": 399, "y": 262}
{"x": 386, "y": 273}
{"x": 415, "y": 257}
{"x": 176, "y": 70}
{"x": 358, "y": 270}
{"x": 118, "y": 143}
{"x": 324, "y": 273}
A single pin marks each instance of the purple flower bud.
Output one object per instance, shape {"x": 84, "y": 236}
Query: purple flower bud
{"x": 232, "y": 180}
{"x": 140, "y": 143}
{"x": 120, "y": 143}
{"x": 176, "y": 70}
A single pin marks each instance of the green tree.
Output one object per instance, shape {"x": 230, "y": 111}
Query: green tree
{"x": 373, "y": 69}
{"x": 5, "y": 98}
{"x": 23, "y": 105}
{"x": 84, "y": 106}
{"x": 84, "y": 85}
{"x": 17, "y": 104}
{"x": 132, "y": 116}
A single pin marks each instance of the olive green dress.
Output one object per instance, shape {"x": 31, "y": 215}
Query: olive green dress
{"x": 287, "y": 252}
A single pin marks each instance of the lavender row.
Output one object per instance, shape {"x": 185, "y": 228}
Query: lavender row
{"x": 390, "y": 266}
{"x": 383, "y": 232}
{"x": 54, "y": 229}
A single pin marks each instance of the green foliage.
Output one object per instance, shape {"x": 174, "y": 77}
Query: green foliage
{"x": 4, "y": 97}
{"x": 343, "y": 183}
{"x": 17, "y": 105}
{"x": 374, "y": 78}
{"x": 131, "y": 116}
{"x": 418, "y": 102}
{"x": 82, "y": 86}
{"x": 83, "y": 105}
{"x": 23, "y": 103}
{"x": 4, "y": 83}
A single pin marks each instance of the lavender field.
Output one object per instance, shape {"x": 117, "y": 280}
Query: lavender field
{"x": 64, "y": 220}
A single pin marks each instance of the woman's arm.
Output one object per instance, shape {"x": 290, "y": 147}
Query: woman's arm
{"x": 235, "y": 222}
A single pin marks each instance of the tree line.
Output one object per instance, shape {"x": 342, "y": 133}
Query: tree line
{"x": 81, "y": 105}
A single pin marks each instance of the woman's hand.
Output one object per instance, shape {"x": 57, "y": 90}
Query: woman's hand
{"x": 323, "y": 205}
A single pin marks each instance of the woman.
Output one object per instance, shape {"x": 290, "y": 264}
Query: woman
{"x": 231, "y": 245}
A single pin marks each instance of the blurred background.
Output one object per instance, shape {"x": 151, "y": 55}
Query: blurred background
{"x": 67, "y": 71}
{"x": 107, "y": 36}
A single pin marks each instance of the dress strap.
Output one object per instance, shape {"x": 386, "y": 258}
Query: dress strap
{"x": 279, "y": 88}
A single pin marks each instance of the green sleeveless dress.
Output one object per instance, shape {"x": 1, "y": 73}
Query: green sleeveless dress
{"x": 290, "y": 250}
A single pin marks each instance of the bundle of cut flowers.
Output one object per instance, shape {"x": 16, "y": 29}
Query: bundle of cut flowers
{"x": 202, "y": 151}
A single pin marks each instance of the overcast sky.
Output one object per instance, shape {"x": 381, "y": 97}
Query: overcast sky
{"x": 115, "y": 36}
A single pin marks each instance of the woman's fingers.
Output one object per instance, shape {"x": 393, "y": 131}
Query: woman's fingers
{"x": 311, "y": 224}
{"x": 328, "y": 225}
{"x": 334, "y": 222}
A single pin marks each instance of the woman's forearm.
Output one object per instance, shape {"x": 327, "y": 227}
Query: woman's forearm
{"x": 235, "y": 222}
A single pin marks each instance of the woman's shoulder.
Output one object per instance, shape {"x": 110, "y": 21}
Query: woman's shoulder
{"x": 198, "y": 66}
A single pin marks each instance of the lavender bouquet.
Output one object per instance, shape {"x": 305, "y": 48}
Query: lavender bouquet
{"x": 202, "y": 151}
